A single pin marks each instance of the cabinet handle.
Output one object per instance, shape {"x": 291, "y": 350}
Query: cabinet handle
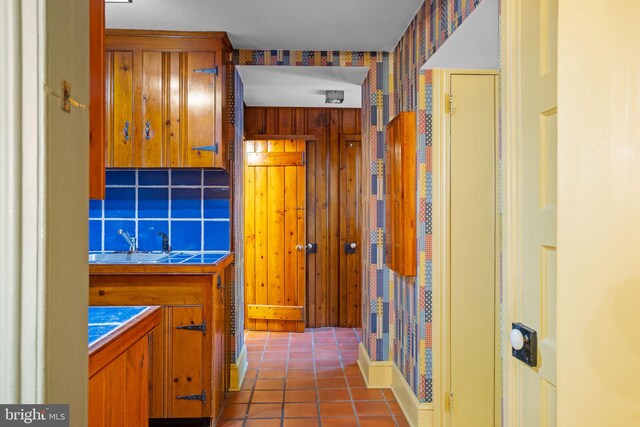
{"x": 126, "y": 130}
{"x": 147, "y": 130}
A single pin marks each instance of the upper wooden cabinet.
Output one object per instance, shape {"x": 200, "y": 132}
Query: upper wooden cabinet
{"x": 96, "y": 99}
{"x": 166, "y": 96}
{"x": 400, "y": 180}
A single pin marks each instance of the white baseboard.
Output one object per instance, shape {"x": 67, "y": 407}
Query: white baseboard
{"x": 376, "y": 374}
{"x": 417, "y": 414}
{"x": 238, "y": 370}
{"x": 387, "y": 375}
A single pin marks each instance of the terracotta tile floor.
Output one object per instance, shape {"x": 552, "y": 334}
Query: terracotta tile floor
{"x": 309, "y": 380}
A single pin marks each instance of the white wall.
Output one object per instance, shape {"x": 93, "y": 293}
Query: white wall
{"x": 599, "y": 214}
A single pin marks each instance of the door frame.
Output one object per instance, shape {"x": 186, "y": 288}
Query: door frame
{"x": 512, "y": 204}
{"x": 442, "y": 245}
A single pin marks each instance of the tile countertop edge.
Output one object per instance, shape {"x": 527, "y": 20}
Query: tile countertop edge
{"x": 159, "y": 268}
{"x": 117, "y": 341}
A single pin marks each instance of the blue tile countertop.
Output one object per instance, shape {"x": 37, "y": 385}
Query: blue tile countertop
{"x": 185, "y": 258}
{"x": 174, "y": 263}
{"x": 105, "y": 320}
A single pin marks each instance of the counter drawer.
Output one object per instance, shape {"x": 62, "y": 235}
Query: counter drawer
{"x": 147, "y": 290}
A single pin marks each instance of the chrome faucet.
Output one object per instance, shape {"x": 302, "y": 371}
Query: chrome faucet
{"x": 165, "y": 242}
{"x": 130, "y": 240}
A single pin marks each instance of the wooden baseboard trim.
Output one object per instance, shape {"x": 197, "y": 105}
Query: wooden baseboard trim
{"x": 238, "y": 370}
{"x": 387, "y": 375}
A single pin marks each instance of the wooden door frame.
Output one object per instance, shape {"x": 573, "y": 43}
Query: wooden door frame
{"x": 512, "y": 143}
{"x": 442, "y": 245}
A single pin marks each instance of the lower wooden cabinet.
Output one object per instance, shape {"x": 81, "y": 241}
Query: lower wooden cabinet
{"x": 119, "y": 375}
{"x": 188, "y": 376}
{"x": 114, "y": 392}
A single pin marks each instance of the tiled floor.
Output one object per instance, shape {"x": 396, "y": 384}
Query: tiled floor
{"x": 309, "y": 380}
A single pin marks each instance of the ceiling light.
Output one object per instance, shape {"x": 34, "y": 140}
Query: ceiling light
{"x": 118, "y": 1}
{"x": 334, "y": 97}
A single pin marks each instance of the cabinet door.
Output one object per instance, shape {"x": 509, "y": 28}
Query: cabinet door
{"x": 185, "y": 364}
{"x": 389, "y": 238}
{"x": 400, "y": 199}
{"x": 149, "y": 136}
{"x": 118, "y": 392}
{"x": 120, "y": 127}
{"x": 202, "y": 144}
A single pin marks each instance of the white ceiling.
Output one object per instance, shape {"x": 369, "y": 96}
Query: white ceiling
{"x": 301, "y": 86}
{"x": 276, "y": 24}
{"x": 474, "y": 45}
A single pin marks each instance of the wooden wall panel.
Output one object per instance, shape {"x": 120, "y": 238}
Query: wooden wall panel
{"x": 328, "y": 302}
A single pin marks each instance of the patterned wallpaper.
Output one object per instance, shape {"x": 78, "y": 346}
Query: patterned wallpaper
{"x": 412, "y": 345}
{"x": 397, "y": 314}
{"x": 236, "y": 132}
{"x": 307, "y": 58}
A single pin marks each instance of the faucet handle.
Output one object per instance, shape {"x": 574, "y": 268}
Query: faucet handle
{"x": 165, "y": 242}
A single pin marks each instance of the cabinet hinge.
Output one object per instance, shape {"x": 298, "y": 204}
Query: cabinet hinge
{"x": 449, "y": 104}
{"x": 449, "y": 401}
{"x": 213, "y": 70}
{"x": 201, "y": 397}
{"x": 213, "y": 148}
{"x": 201, "y": 327}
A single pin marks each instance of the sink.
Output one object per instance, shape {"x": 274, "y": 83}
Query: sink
{"x": 127, "y": 257}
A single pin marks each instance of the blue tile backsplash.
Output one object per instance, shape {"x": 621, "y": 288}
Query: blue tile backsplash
{"x": 190, "y": 206}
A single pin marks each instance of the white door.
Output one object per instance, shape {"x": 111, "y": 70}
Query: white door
{"x": 472, "y": 286}
{"x": 530, "y": 142}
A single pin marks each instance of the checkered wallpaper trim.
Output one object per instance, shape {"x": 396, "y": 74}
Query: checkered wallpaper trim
{"x": 304, "y": 58}
{"x": 238, "y": 201}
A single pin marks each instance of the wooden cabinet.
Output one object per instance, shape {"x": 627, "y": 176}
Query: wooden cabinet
{"x": 119, "y": 376}
{"x": 400, "y": 194}
{"x": 189, "y": 375}
{"x": 96, "y": 100}
{"x": 166, "y": 96}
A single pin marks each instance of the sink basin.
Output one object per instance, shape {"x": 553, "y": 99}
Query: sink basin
{"x": 127, "y": 257}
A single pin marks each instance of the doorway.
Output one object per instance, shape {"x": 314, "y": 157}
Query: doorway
{"x": 275, "y": 206}
{"x": 333, "y": 191}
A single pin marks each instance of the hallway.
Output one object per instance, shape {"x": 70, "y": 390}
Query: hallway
{"x": 309, "y": 379}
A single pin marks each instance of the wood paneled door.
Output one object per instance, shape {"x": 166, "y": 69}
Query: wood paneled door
{"x": 332, "y": 138}
{"x": 350, "y": 193}
{"x": 275, "y": 235}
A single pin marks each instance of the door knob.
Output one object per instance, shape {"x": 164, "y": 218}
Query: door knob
{"x": 352, "y": 245}
{"x": 517, "y": 339}
{"x": 299, "y": 247}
